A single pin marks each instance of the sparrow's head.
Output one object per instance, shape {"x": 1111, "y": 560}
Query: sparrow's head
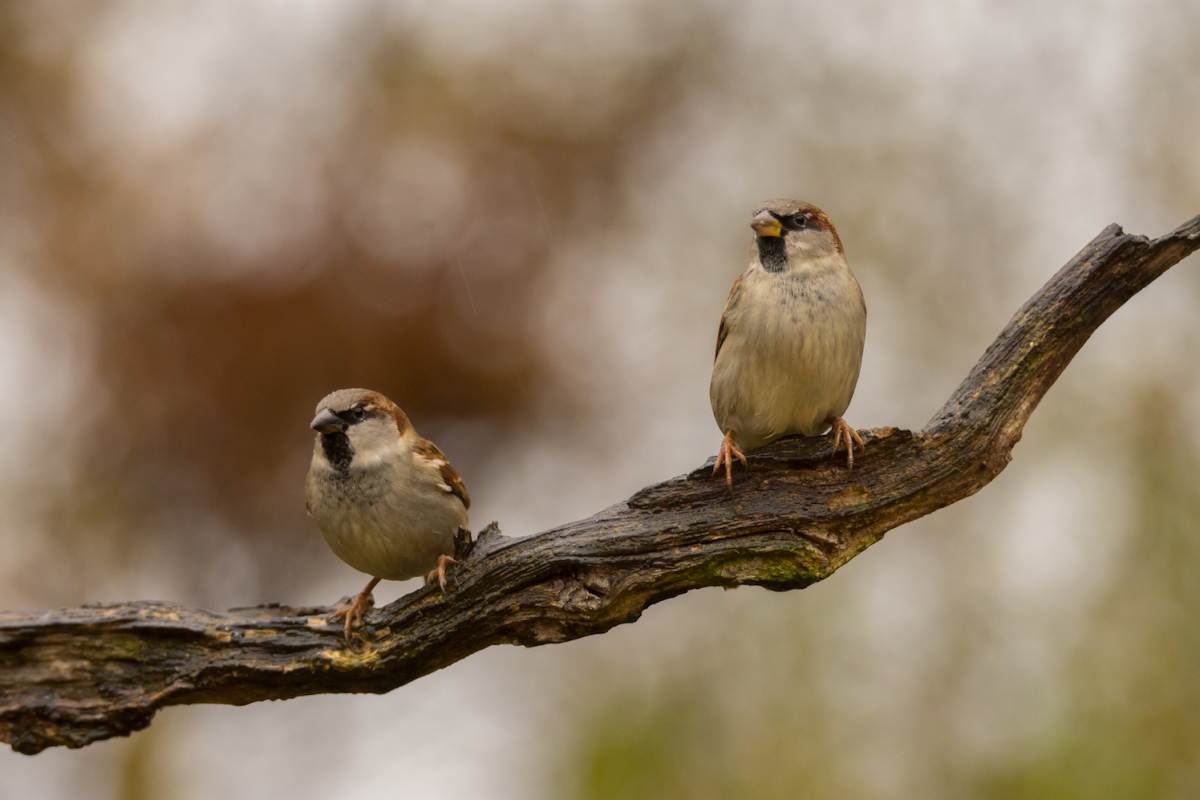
{"x": 789, "y": 231}
{"x": 358, "y": 425}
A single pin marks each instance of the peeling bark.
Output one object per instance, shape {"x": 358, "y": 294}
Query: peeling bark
{"x": 75, "y": 676}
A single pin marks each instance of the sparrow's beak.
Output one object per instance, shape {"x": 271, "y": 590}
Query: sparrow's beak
{"x": 765, "y": 224}
{"x": 327, "y": 422}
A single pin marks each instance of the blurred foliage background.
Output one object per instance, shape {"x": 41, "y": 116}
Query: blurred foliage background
{"x": 520, "y": 220}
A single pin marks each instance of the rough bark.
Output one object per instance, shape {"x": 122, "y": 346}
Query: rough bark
{"x": 75, "y": 676}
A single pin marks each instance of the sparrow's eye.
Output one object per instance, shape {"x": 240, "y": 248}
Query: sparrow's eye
{"x": 357, "y": 413}
{"x": 800, "y": 220}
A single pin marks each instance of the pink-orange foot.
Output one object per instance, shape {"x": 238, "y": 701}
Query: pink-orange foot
{"x": 438, "y": 573}
{"x": 353, "y": 613}
{"x": 844, "y": 435}
{"x": 725, "y": 456}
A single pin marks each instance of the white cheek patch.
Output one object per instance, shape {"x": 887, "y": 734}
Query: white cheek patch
{"x": 374, "y": 453}
{"x": 445, "y": 488}
{"x": 369, "y": 459}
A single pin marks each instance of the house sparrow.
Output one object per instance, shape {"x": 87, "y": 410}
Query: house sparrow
{"x": 387, "y": 501}
{"x": 791, "y": 337}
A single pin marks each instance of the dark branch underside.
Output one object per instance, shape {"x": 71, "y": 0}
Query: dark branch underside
{"x": 80, "y": 675}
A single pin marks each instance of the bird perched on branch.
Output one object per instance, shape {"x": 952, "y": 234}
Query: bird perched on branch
{"x": 790, "y": 342}
{"x": 386, "y": 500}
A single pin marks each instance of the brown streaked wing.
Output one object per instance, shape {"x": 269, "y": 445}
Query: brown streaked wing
{"x": 723, "y": 328}
{"x": 451, "y": 482}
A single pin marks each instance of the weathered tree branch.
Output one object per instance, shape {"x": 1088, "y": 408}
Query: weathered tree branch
{"x": 79, "y": 675}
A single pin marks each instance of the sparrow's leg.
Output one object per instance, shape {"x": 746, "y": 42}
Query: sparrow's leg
{"x": 725, "y": 456}
{"x": 438, "y": 573}
{"x": 843, "y": 434}
{"x": 354, "y": 612}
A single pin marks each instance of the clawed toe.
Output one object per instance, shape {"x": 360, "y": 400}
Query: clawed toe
{"x": 725, "y": 456}
{"x": 355, "y": 611}
{"x": 438, "y": 573}
{"x": 847, "y": 437}
{"x": 352, "y": 614}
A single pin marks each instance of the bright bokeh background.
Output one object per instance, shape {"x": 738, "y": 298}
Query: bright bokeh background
{"x": 520, "y": 220}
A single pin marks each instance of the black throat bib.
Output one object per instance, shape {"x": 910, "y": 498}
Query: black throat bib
{"x": 338, "y": 450}
{"x": 772, "y": 253}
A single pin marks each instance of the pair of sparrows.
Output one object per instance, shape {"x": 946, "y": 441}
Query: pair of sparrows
{"x": 789, "y": 348}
